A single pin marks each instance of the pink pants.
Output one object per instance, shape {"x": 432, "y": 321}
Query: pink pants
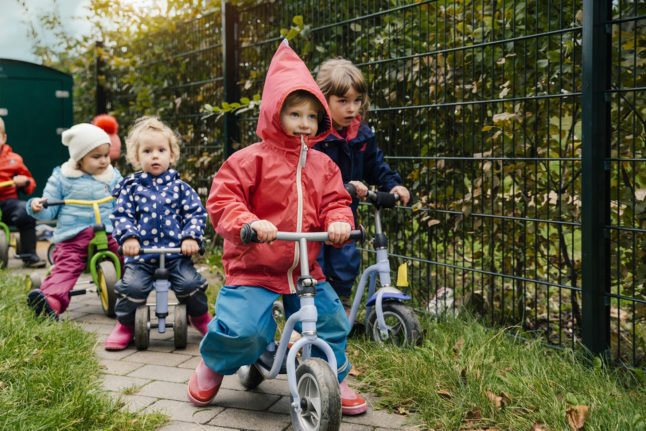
{"x": 70, "y": 260}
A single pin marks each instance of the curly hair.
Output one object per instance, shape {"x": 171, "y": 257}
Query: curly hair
{"x": 145, "y": 125}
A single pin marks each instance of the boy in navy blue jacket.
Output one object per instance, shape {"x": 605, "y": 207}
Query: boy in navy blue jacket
{"x": 352, "y": 146}
{"x": 156, "y": 209}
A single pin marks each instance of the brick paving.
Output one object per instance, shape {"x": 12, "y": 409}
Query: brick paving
{"x": 156, "y": 380}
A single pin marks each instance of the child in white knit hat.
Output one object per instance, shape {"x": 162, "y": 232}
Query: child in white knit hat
{"x": 87, "y": 175}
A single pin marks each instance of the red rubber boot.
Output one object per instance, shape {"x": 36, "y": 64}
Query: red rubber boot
{"x": 351, "y": 402}
{"x": 204, "y": 385}
{"x": 200, "y": 322}
{"x": 120, "y": 337}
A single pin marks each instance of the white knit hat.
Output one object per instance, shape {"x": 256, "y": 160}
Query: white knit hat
{"x": 83, "y": 138}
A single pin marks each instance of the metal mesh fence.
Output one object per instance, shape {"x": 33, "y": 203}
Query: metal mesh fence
{"x": 478, "y": 105}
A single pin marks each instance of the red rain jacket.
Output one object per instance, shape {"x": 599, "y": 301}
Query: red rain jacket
{"x": 266, "y": 181}
{"x": 11, "y": 164}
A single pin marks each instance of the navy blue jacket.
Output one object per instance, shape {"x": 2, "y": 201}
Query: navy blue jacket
{"x": 159, "y": 211}
{"x": 359, "y": 159}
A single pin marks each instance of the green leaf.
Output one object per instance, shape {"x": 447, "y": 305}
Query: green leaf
{"x": 298, "y": 20}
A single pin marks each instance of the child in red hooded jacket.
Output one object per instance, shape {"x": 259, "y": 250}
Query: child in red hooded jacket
{"x": 276, "y": 184}
{"x": 14, "y": 212}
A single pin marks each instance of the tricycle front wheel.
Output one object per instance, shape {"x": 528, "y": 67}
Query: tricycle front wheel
{"x": 142, "y": 327}
{"x": 106, "y": 275}
{"x": 318, "y": 389}
{"x": 402, "y": 325}
{"x": 180, "y": 332}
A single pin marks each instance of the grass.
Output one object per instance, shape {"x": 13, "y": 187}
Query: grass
{"x": 49, "y": 375}
{"x": 466, "y": 376}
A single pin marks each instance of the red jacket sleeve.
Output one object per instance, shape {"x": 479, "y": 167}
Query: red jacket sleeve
{"x": 227, "y": 203}
{"x": 22, "y": 170}
{"x": 335, "y": 202}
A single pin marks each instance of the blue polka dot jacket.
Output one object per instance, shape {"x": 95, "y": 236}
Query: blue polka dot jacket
{"x": 159, "y": 211}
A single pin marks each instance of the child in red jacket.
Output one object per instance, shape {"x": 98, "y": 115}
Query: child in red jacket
{"x": 276, "y": 184}
{"x": 14, "y": 211}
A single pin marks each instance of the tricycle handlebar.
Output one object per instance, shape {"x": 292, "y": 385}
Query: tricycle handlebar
{"x": 248, "y": 234}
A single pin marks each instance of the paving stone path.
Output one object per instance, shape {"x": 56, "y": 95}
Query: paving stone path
{"x": 156, "y": 379}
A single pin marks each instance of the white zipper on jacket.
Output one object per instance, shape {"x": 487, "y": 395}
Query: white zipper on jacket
{"x": 299, "y": 217}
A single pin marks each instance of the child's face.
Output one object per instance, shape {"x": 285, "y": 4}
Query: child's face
{"x": 300, "y": 119}
{"x": 154, "y": 154}
{"x": 345, "y": 108}
{"x": 96, "y": 161}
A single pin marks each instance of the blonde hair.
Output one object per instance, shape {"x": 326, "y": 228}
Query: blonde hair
{"x": 142, "y": 126}
{"x": 2, "y": 129}
{"x": 337, "y": 75}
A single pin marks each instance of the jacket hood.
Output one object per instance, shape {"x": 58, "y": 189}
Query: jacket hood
{"x": 287, "y": 73}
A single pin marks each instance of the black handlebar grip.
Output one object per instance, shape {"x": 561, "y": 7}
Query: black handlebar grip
{"x": 358, "y": 235}
{"x": 248, "y": 234}
{"x": 49, "y": 203}
{"x": 383, "y": 199}
{"x": 351, "y": 189}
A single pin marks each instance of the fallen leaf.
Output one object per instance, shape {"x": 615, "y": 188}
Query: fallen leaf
{"x": 473, "y": 414}
{"x": 538, "y": 427}
{"x": 443, "y": 393}
{"x": 402, "y": 411}
{"x": 500, "y": 401}
{"x": 354, "y": 372}
{"x": 463, "y": 376}
{"x": 576, "y": 416}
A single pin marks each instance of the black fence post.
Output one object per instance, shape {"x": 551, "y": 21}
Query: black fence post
{"x": 595, "y": 176}
{"x": 230, "y": 51}
{"x": 99, "y": 79}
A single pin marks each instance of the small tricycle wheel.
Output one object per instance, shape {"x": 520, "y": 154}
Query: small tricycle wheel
{"x": 249, "y": 376}
{"x": 106, "y": 276}
{"x": 50, "y": 253}
{"x": 179, "y": 327}
{"x": 16, "y": 243}
{"x": 318, "y": 389}
{"x": 4, "y": 250}
{"x": 403, "y": 326}
{"x": 142, "y": 329}
{"x": 33, "y": 282}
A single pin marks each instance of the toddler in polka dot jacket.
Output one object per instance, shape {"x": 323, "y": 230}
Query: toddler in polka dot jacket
{"x": 154, "y": 208}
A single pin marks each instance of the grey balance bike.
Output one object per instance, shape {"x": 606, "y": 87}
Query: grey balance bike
{"x": 161, "y": 284}
{"x": 313, "y": 384}
{"x": 388, "y": 319}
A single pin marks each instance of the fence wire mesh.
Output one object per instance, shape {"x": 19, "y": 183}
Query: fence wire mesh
{"x": 478, "y": 105}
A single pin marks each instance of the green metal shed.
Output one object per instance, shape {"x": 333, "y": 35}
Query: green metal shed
{"x": 36, "y": 105}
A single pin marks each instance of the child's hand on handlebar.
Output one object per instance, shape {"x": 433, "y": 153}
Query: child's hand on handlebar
{"x": 404, "y": 194}
{"x": 339, "y": 232}
{"x": 37, "y": 205}
{"x": 266, "y": 230}
{"x": 361, "y": 189}
{"x": 20, "y": 180}
{"x": 190, "y": 247}
{"x": 130, "y": 247}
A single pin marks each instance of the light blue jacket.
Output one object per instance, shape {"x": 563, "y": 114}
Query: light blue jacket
{"x": 67, "y": 182}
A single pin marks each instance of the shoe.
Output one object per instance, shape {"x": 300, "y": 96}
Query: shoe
{"x": 346, "y": 301}
{"x": 351, "y": 403}
{"x": 204, "y": 385}
{"x": 37, "y": 301}
{"x": 120, "y": 337}
{"x": 201, "y": 323}
{"x": 34, "y": 262}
